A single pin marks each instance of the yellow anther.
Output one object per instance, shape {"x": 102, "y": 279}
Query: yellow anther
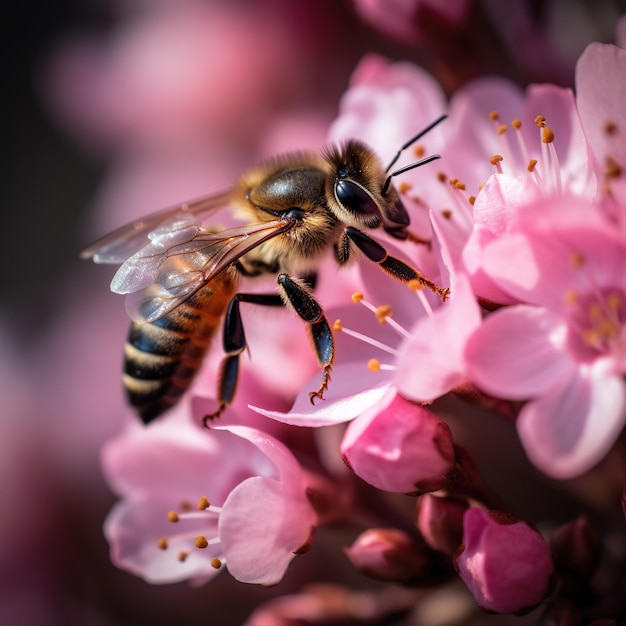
{"x": 517, "y": 124}
{"x": 415, "y": 285}
{"x": 441, "y": 177}
{"x": 419, "y": 151}
{"x": 203, "y": 504}
{"x": 182, "y": 556}
{"x": 495, "y": 159}
{"x": 578, "y": 259}
{"x": 446, "y": 213}
{"x": 162, "y": 543}
{"x": 502, "y": 129}
{"x": 595, "y": 311}
{"x": 404, "y": 187}
{"x": 614, "y": 302}
{"x": 172, "y": 516}
{"x": 383, "y": 312}
{"x": 201, "y": 542}
{"x": 357, "y": 296}
{"x": 613, "y": 169}
{"x": 216, "y": 563}
{"x": 337, "y": 326}
{"x": 531, "y": 165}
{"x": 540, "y": 120}
{"x": 472, "y": 199}
{"x": 610, "y": 127}
{"x": 547, "y": 134}
{"x": 494, "y": 116}
{"x": 373, "y": 365}
{"x": 458, "y": 185}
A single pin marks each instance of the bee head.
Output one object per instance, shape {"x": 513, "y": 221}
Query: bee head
{"x": 358, "y": 192}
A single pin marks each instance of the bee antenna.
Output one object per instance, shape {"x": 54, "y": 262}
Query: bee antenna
{"x": 411, "y": 142}
{"x": 406, "y": 168}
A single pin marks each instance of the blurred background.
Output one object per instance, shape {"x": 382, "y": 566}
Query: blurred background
{"x": 115, "y": 108}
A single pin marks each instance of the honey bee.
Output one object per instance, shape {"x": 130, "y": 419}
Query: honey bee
{"x": 181, "y": 279}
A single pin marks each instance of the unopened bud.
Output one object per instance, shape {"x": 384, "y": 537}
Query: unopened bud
{"x": 440, "y": 520}
{"x": 576, "y": 549}
{"x": 392, "y": 555}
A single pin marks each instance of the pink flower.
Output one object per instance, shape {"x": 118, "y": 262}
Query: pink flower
{"x": 170, "y": 466}
{"x": 566, "y": 351}
{"x": 399, "y": 446}
{"x": 505, "y": 563}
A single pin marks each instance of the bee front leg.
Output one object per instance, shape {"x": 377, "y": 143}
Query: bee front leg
{"x": 234, "y": 342}
{"x": 297, "y": 297}
{"x": 393, "y": 266}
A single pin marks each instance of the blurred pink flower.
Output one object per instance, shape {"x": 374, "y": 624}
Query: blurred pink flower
{"x": 565, "y": 352}
{"x": 505, "y": 563}
{"x": 440, "y": 520}
{"x": 160, "y": 79}
{"x": 174, "y": 464}
{"x": 412, "y": 21}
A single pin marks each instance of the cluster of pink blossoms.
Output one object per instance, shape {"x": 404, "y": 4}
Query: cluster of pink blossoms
{"x": 525, "y": 215}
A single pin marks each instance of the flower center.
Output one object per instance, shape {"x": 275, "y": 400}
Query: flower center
{"x": 545, "y": 173}
{"x": 597, "y": 323}
{"x": 188, "y": 540}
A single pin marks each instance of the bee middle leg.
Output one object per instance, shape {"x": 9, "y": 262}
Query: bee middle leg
{"x": 297, "y": 297}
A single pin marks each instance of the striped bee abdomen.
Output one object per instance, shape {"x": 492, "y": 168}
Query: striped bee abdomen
{"x": 161, "y": 358}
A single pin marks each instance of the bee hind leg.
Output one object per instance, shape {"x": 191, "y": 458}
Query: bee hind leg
{"x": 297, "y": 297}
{"x": 234, "y": 342}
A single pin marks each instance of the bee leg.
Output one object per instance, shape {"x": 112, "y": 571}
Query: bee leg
{"x": 297, "y": 297}
{"x": 393, "y": 266}
{"x": 234, "y": 342}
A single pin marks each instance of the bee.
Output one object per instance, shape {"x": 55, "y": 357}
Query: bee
{"x": 181, "y": 278}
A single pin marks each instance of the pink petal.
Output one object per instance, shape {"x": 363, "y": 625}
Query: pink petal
{"x": 518, "y": 353}
{"x": 601, "y": 93}
{"x": 352, "y": 390}
{"x": 432, "y": 361}
{"x": 261, "y": 528}
{"x": 570, "y": 428}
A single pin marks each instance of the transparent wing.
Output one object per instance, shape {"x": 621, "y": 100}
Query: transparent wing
{"x": 123, "y": 242}
{"x": 177, "y": 262}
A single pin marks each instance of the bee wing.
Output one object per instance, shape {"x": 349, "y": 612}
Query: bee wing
{"x": 160, "y": 276}
{"x": 123, "y": 242}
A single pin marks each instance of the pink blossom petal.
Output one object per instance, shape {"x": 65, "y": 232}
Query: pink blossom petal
{"x": 556, "y": 254}
{"x": 352, "y": 390}
{"x": 518, "y": 353}
{"x": 569, "y": 429}
{"x": 261, "y": 528}
{"x": 601, "y": 93}
{"x": 432, "y": 361}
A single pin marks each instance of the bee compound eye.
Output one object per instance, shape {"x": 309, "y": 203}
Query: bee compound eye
{"x": 294, "y": 213}
{"x": 354, "y": 198}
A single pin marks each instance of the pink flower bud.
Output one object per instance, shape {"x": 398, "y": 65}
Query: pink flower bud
{"x": 505, "y": 563}
{"x": 392, "y": 555}
{"x": 440, "y": 520}
{"x": 400, "y": 446}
